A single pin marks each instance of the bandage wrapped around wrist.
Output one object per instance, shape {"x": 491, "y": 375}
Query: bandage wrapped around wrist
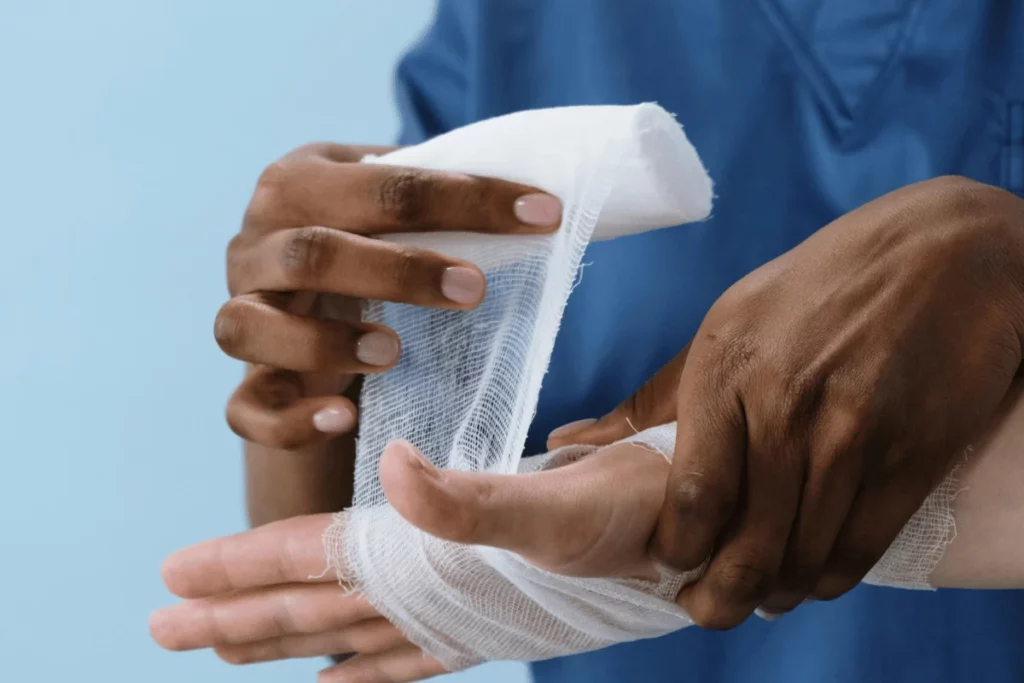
{"x": 466, "y": 387}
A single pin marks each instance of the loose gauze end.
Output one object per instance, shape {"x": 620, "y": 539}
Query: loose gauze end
{"x": 466, "y": 388}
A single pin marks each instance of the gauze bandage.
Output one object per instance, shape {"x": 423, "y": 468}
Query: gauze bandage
{"x": 466, "y": 387}
{"x": 913, "y": 555}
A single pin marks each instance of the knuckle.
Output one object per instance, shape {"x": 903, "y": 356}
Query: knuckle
{"x": 403, "y": 196}
{"x": 307, "y": 254}
{"x": 964, "y": 196}
{"x": 403, "y": 270}
{"x": 800, "y": 390}
{"x": 332, "y": 346}
{"x": 695, "y": 504}
{"x": 794, "y": 396}
{"x": 278, "y": 390}
{"x": 272, "y": 200}
{"x": 275, "y": 174}
{"x": 726, "y": 353}
{"x": 475, "y": 199}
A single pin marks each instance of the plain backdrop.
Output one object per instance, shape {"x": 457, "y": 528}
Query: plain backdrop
{"x": 131, "y": 133}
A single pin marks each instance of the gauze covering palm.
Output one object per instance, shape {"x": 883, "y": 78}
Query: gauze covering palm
{"x": 467, "y": 385}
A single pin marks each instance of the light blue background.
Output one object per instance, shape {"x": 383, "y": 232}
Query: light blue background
{"x": 131, "y": 133}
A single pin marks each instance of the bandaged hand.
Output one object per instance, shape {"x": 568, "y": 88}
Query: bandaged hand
{"x": 263, "y": 595}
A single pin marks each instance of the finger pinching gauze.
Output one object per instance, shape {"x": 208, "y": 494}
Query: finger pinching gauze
{"x": 466, "y": 387}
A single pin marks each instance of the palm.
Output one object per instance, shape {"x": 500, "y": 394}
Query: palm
{"x": 264, "y": 594}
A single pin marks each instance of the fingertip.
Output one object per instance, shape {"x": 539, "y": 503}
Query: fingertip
{"x": 569, "y": 434}
{"x": 766, "y": 614}
{"x": 464, "y": 285}
{"x": 406, "y": 476}
{"x": 172, "y": 571}
{"x": 538, "y": 209}
{"x": 333, "y": 419}
{"x": 402, "y": 459}
{"x": 158, "y": 628}
{"x": 379, "y": 349}
{"x": 444, "y": 504}
{"x": 233, "y": 655}
{"x": 706, "y": 611}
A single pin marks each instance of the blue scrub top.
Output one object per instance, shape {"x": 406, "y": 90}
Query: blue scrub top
{"x": 801, "y": 110}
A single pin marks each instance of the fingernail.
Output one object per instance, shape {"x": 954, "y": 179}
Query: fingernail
{"x": 538, "y": 209}
{"x": 566, "y": 430}
{"x": 462, "y": 285}
{"x": 414, "y": 457}
{"x": 333, "y": 421}
{"x": 767, "y": 615}
{"x": 377, "y": 348}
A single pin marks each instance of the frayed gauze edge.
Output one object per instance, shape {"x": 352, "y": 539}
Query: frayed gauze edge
{"x": 467, "y": 604}
{"x": 907, "y": 564}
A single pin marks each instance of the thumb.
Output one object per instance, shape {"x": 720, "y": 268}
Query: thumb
{"x": 651, "y": 405}
{"x": 500, "y": 510}
{"x": 563, "y": 520}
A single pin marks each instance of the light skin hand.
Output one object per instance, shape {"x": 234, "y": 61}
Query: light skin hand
{"x": 251, "y": 597}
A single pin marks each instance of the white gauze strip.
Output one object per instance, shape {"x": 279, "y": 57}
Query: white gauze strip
{"x": 913, "y": 555}
{"x": 466, "y": 387}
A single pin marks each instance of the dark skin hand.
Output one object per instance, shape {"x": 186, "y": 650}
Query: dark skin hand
{"x": 828, "y": 392}
{"x": 303, "y": 259}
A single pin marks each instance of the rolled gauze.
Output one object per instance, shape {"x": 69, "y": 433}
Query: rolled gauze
{"x": 466, "y": 387}
{"x": 467, "y": 384}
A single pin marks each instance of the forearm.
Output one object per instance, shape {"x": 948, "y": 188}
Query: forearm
{"x": 282, "y": 484}
{"x": 988, "y": 550}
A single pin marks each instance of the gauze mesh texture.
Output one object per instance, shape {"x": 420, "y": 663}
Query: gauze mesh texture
{"x": 913, "y": 555}
{"x": 466, "y": 387}
{"x": 466, "y": 604}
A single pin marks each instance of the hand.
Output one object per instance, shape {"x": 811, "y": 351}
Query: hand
{"x": 828, "y": 392}
{"x": 306, "y": 253}
{"x": 253, "y": 596}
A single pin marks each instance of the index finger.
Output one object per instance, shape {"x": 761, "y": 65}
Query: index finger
{"x": 289, "y": 551}
{"x": 375, "y": 198}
